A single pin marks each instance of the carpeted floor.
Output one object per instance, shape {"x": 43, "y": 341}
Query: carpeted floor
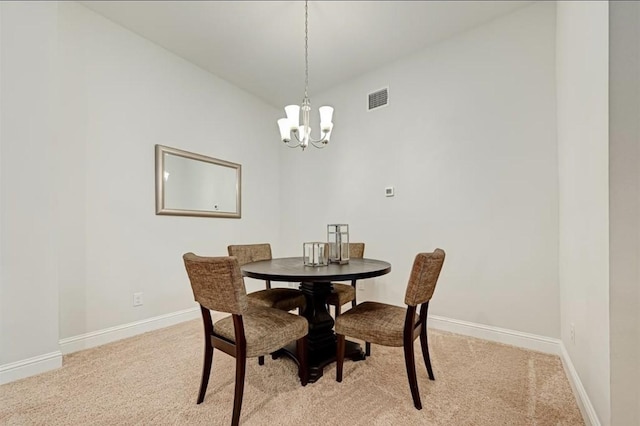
{"x": 153, "y": 379}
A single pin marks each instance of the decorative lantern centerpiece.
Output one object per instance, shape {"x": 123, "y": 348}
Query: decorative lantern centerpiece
{"x": 315, "y": 254}
{"x": 338, "y": 238}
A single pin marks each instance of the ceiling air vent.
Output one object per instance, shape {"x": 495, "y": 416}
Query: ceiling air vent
{"x": 378, "y": 98}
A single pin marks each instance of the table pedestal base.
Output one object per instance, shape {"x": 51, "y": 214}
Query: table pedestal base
{"x": 320, "y": 359}
{"x": 321, "y": 338}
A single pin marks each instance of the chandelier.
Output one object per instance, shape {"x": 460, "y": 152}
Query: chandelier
{"x": 292, "y": 133}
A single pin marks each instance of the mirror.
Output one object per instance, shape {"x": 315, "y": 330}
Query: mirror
{"x": 189, "y": 184}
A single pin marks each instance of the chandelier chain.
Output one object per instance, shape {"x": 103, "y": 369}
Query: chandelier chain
{"x": 306, "y": 48}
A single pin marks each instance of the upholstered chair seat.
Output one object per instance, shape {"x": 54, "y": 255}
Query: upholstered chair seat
{"x": 375, "y": 322}
{"x": 341, "y": 295}
{"x": 391, "y": 325}
{"x": 286, "y": 299}
{"x": 265, "y": 329}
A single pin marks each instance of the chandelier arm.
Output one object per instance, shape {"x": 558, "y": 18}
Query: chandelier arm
{"x": 319, "y": 144}
{"x": 297, "y": 142}
{"x": 295, "y": 145}
{"x": 323, "y": 139}
{"x": 295, "y": 135}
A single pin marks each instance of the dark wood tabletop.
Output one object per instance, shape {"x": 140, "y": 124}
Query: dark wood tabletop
{"x": 293, "y": 269}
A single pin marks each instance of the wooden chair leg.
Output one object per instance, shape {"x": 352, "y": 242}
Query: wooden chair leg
{"x": 241, "y": 362}
{"x": 303, "y": 367}
{"x": 261, "y": 360}
{"x": 411, "y": 373}
{"x": 355, "y": 295}
{"x": 340, "y": 346}
{"x": 206, "y": 371}
{"x": 424, "y": 343}
{"x": 338, "y": 311}
{"x": 367, "y": 349}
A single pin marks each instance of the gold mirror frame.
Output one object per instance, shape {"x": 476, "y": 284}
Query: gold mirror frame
{"x": 188, "y": 210}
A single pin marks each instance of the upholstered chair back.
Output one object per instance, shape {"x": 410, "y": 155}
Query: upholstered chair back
{"x": 217, "y": 283}
{"x": 424, "y": 276}
{"x": 248, "y": 253}
{"x": 356, "y": 250}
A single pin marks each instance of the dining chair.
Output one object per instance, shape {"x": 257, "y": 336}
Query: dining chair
{"x": 250, "y": 330}
{"x": 390, "y": 325}
{"x": 285, "y": 299}
{"x": 345, "y": 293}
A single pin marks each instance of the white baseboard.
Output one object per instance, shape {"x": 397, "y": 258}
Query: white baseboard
{"x": 527, "y": 341}
{"x": 496, "y": 334}
{"x": 30, "y": 367}
{"x": 42, "y": 363}
{"x": 50, "y": 361}
{"x": 584, "y": 403}
{"x": 108, "y": 335}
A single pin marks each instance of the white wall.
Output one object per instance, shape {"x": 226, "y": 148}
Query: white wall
{"x": 121, "y": 95}
{"x": 83, "y": 104}
{"x": 468, "y": 140}
{"x": 624, "y": 196}
{"x": 28, "y": 276}
{"x": 582, "y": 72}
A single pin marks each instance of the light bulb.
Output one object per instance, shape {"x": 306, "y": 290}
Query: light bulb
{"x": 285, "y": 129}
{"x": 293, "y": 115}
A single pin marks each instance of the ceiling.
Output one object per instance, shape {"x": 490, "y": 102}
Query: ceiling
{"x": 259, "y": 45}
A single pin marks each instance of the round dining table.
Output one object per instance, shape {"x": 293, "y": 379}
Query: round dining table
{"x": 315, "y": 284}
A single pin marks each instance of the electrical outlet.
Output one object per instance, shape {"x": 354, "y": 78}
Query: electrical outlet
{"x": 573, "y": 333}
{"x": 137, "y": 299}
{"x": 389, "y": 191}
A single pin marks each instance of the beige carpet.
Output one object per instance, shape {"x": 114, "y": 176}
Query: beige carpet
{"x": 153, "y": 379}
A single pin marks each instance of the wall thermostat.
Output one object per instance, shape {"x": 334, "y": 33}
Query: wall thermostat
{"x": 388, "y": 191}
